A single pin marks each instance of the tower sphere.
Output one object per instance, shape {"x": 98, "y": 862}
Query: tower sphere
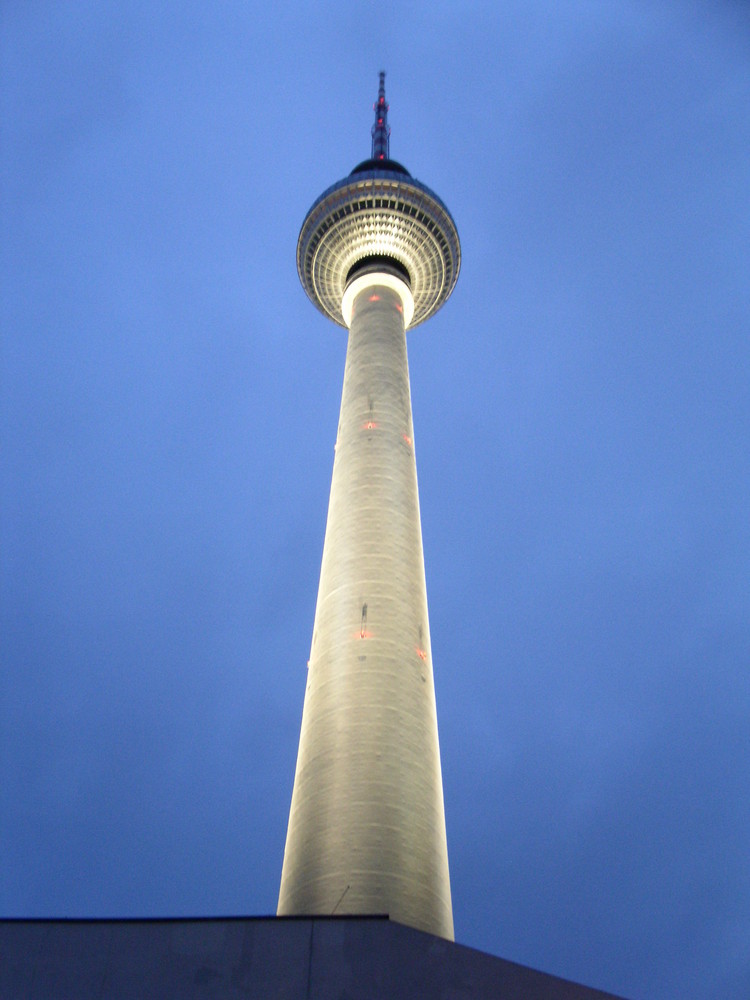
{"x": 378, "y": 212}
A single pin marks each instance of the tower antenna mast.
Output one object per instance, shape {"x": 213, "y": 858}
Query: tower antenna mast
{"x": 381, "y": 132}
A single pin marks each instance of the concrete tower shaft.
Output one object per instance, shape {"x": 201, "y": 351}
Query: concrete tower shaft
{"x": 367, "y": 828}
{"x": 366, "y": 833}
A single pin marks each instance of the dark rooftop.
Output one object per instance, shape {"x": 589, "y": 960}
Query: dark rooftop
{"x": 296, "y": 958}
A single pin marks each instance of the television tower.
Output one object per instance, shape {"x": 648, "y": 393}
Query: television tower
{"x": 378, "y": 252}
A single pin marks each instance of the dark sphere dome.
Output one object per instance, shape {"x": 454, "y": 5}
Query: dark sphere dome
{"x": 392, "y": 165}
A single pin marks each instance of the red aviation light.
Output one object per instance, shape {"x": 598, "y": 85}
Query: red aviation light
{"x": 382, "y": 157}
{"x": 370, "y": 426}
{"x": 421, "y": 653}
{"x": 374, "y": 298}
{"x": 399, "y": 307}
{"x": 407, "y": 439}
{"x": 364, "y": 634}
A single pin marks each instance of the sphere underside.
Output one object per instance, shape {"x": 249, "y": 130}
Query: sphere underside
{"x": 378, "y": 213}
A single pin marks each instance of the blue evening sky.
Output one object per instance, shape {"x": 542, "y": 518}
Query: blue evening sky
{"x": 169, "y": 407}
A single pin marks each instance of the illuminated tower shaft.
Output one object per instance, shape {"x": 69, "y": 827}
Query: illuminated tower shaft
{"x": 367, "y": 827}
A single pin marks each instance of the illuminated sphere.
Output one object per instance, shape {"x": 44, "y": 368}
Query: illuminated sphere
{"x": 378, "y": 211}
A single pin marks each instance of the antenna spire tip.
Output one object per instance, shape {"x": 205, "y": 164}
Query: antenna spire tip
{"x": 380, "y": 130}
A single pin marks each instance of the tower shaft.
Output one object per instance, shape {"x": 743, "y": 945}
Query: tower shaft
{"x": 367, "y": 827}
